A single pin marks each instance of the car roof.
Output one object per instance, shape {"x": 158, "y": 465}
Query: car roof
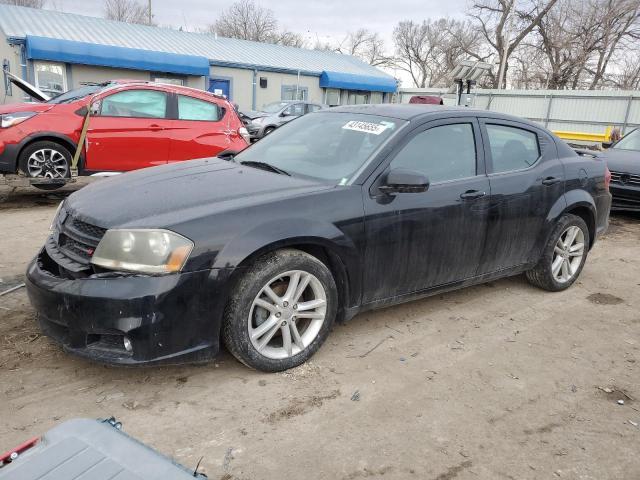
{"x": 406, "y": 111}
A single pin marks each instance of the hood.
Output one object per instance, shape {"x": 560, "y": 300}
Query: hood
{"x": 159, "y": 197}
{"x": 25, "y": 107}
{"x": 26, "y": 87}
{"x": 624, "y": 161}
{"x": 252, "y": 114}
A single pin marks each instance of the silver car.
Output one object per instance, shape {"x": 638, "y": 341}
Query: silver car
{"x": 271, "y": 116}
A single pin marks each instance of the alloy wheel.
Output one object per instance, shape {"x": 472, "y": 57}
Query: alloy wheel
{"x": 47, "y": 163}
{"x": 567, "y": 254}
{"x": 287, "y": 314}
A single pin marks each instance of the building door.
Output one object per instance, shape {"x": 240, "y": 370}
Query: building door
{"x": 220, "y": 87}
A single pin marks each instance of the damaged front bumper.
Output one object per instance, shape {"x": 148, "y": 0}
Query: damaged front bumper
{"x": 130, "y": 319}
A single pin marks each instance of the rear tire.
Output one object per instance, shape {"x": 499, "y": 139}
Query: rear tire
{"x": 46, "y": 159}
{"x": 563, "y": 256}
{"x": 283, "y": 328}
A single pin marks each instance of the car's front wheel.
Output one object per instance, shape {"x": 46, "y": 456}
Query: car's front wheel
{"x": 564, "y": 255}
{"x": 47, "y": 160}
{"x": 281, "y": 311}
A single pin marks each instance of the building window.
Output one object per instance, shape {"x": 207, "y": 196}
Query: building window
{"x": 358, "y": 98}
{"x": 332, "y": 96}
{"x": 169, "y": 80}
{"x": 50, "y": 77}
{"x": 289, "y": 92}
{"x": 376, "y": 97}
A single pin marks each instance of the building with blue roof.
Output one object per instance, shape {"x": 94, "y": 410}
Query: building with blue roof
{"x": 59, "y": 51}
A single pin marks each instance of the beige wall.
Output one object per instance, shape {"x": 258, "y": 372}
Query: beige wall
{"x": 242, "y": 86}
{"x": 11, "y": 53}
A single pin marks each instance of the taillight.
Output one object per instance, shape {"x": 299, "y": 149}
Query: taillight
{"x": 244, "y": 133}
{"x": 607, "y": 177}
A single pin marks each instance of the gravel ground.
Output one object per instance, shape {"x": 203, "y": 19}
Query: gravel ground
{"x": 496, "y": 381}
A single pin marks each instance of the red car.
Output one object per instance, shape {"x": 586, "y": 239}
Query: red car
{"x": 132, "y": 125}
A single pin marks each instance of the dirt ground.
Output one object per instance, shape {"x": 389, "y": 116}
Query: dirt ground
{"x": 496, "y": 381}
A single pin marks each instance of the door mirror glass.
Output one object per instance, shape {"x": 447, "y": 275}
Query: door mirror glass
{"x": 402, "y": 180}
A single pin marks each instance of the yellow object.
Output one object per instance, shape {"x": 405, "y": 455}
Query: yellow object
{"x": 585, "y": 137}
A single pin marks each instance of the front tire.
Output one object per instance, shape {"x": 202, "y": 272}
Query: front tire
{"x": 45, "y": 159}
{"x": 563, "y": 256}
{"x": 280, "y": 311}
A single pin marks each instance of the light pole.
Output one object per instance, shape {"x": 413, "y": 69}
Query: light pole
{"x": 150, "y": 16}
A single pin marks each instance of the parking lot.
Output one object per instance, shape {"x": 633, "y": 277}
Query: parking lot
{"x": 497, "y": 381}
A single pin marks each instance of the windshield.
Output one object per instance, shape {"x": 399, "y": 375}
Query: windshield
{"x": 630, "y": 141}
{"x": 76, "y": 94}
{"x": 328, "y": 146}
{"x": 274, "y": 107}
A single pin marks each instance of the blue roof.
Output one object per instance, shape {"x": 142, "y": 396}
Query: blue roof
{"x": 350, "y": 81}
{"x": 21, "y": 23}
{"x": 53, "y": 49}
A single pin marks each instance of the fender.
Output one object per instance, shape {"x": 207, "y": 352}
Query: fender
{"x": 567, "y": 202}
{"x": 17, "y": 148}
{"x": 275, "y": 234}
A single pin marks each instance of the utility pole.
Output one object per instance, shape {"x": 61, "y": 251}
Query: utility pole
{"x": 150, "y": 16}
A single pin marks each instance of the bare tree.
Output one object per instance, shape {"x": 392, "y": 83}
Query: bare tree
{"x": 619, "y": 21}
{"x": 25, "y": 3}
{"x": 366, "y": 45}
{"x": 428, "y": 51}
{"x": 129, "y": 11}
{"x": 505, "y": 24}
{"x": 249, "y": 21}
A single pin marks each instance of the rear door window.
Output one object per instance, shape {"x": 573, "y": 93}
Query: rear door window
{"x": 190, "y": 108}
{"x": 136, "y": 104}
{"x": 512, "y": 148}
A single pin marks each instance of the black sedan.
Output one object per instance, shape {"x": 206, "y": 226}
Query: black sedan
{"x": 338, "y": 212}
{"x": 623, "y": 159}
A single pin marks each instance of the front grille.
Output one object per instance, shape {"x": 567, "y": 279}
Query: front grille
{"x": 623, "y": 178}
{"x": 74, "y": 245}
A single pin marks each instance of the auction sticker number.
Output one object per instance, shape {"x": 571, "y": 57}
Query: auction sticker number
{"x": 365, "y": 127}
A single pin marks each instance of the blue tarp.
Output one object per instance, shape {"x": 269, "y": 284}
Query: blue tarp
{"x": 350, "y": 81}
{"x": 56, "y": 50}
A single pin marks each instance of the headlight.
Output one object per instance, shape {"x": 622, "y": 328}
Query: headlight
{"x": 52, "y": 227}
{"x": 145, "y": 251}
{"x": 10, "y": 119}
{"x": 259, "y": 120}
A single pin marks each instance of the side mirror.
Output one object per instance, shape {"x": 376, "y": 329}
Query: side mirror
{"x": 284, "y": 114}
{"x": 606, "y": 145}
{"x": 401, "y": 180}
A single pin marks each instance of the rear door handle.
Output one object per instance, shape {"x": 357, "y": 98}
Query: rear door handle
{"x": 155, "y": 128}
{"x": 550, "y": 181}
{"x": 472, "y": 194}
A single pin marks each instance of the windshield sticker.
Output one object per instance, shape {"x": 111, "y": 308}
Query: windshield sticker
{"x": 365, "y": 127}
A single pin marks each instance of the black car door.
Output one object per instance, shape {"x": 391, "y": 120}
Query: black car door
{"x": 415, "y": 241}
{"x": 526, "y": 179}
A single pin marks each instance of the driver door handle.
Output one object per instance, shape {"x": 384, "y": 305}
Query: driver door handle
{"x": 155, "y": 127}
{"x": 550, "y": 181}
{"x": 472, "y": 194}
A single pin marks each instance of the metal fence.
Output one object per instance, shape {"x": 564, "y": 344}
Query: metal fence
{"x": 585, "y": 111}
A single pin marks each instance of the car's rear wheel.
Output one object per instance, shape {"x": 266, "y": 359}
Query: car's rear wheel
{"x": 281, "y": 311}
{"x": 564, "y": 255}
{"x": 47, "y": 160}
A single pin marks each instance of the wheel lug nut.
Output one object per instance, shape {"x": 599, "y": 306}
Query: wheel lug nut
{"x": 278, "y": 315}
{"x": 285, "y": 304}
{"x": 284, "y": 323}
{"x": 295, "y": 307}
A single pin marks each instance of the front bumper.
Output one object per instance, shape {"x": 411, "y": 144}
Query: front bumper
{"x": 8, "y": 157}
{"x": 167, "y": 319}
{"x": 625, "y": 197}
